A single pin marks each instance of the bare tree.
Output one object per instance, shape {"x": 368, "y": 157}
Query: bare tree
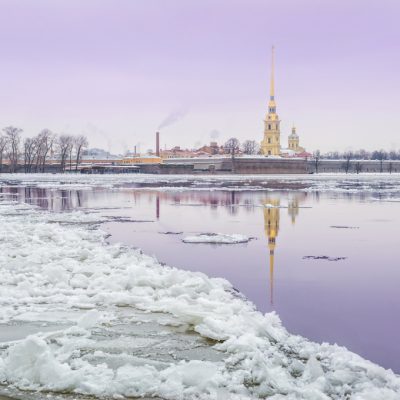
{"x": 232, "y": 147}
{"x": 64, "y": 144}
{"x": 30, "y": 152}
{"x": 3, "y": 144}
{"x": 392, "y": 155}
{"x": 358, "y": 167}
{"x": 250, "y": 147}
{"x": 71, "y": 150}
{"x": 317, "y": 159}
{"x": 80, "y": 143}
{"x": 46, "y": 139}
{"x": 13, "y": 138}
{"x": 380, "y": 155}
{"x": 348, "y": 156}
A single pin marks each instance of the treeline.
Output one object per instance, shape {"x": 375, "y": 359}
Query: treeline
{"x": 34, "y": 153}
{"x": 362, "y": 155}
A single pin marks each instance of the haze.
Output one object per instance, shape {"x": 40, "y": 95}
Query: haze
{"x": 116, "y": 70}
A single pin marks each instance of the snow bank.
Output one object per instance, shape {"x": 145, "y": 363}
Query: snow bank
{"x": 53, "y": 271}
{"x": 216, "y": 238}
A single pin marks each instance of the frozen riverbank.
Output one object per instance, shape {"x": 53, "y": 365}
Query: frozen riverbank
{"x": 57, "y": 269}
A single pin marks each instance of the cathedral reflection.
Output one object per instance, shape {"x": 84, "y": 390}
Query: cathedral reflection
{"x": 271, "y": 225}
{"x": 272, "y": 208}
{"x": 293, "y": 209}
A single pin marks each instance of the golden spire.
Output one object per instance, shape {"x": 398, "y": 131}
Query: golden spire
{"x": 270, "y": 145}
{"x": 272, "y": 87}
{"x": 271, "y": 104}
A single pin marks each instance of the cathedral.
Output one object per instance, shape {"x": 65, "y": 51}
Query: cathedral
{"x": 271, "y": 144}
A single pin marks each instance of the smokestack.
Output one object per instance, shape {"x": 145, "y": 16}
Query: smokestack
{"x": 135, "y": 151}
{"x": 158, "y": 144}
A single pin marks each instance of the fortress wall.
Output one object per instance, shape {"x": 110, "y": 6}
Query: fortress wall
{"x": 363, "y": 166}
{"x": 227, "y": 166}
{"x": 267, "y": 166}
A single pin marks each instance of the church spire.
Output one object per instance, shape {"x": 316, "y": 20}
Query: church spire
{"x": 272, "y": 85}
{"x": 270, "y": 146}
{"x": 271, "y": 103}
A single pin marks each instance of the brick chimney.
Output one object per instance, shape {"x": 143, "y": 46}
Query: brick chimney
{"x": 158, "y": 144}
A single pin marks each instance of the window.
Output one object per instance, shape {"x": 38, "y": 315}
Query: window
{"x": 269, "y": 140}
{"x": 269, "y": 127}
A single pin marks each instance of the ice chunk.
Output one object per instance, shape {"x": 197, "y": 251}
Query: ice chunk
{"x": 216, "y": 238}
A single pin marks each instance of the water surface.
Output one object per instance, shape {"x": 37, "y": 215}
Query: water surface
{"x": 290, "y": 265}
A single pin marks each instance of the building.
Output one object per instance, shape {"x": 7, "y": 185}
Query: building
{"x": 271, "y": 143}
{"x": 176, "y": 152}
{"x": 138, "y": 159}
{"x": 294, "y": 142}
{"x": 213, "y": 149}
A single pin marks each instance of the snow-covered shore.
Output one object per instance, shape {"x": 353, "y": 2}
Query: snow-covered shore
{"x": 56, "y": 269}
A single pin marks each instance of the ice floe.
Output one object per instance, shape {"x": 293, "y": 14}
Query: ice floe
{"x": 382, "y": 183}
{"x": 217, "y": 238}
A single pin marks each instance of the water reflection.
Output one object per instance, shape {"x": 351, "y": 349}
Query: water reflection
{"x": 272, "y": 209}
{"x": 322, "y": 300}
{"x": 271, "y": 225}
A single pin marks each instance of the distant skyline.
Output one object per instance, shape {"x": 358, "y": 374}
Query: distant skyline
{"x": 115, "y": 70}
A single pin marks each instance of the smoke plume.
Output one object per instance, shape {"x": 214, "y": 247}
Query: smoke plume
{"x": 214, "y": 134}
{"x": 172, "y": 118}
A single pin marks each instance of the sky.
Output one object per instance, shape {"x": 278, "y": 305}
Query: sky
{"x": 115, "y": 70}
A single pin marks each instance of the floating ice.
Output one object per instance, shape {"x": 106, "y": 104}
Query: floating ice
{"x": 383, "y": 183}
{"x": 270, "y": 206}
{"x": 216, "y": 238}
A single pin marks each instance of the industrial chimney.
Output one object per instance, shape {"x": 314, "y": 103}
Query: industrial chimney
{"x": 158, "y": 144}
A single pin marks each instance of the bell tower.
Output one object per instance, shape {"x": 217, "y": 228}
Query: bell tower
{"x": 293, "y": 140}
{"x": 271, "y": 144}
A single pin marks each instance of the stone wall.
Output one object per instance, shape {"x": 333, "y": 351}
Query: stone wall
{"x": 228, "y": 166}
{"x": 49, "y": 168}
{"x": 355, "y": 166}
{"x": 251, "y": 166}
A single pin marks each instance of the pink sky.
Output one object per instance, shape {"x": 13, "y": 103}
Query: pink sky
{"x": 115, "y": 69}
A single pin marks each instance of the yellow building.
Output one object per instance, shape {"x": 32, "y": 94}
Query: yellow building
{"x": 271, "y": 144}
{"x": 142, "y": 160}
{"x": 294, "y": 142}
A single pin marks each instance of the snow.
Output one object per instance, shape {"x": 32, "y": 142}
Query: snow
{"x": 216, "y": 238}
{"x": 268, "y": 205}
{"x": 97, "y": 297}
{"x": 382, "y": 183}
